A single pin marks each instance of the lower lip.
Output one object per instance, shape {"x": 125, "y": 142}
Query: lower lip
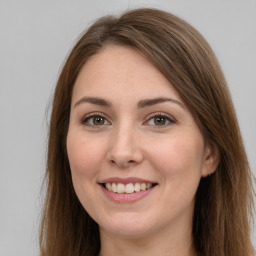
{"x": 126, "y": 197}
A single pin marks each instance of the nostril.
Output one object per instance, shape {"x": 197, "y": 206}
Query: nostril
{"x": 123, "y": 163}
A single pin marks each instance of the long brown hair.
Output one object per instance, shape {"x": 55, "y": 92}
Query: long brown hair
{"x": 224, "y": 201}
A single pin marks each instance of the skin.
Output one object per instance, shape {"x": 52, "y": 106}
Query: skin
{"x": 129, "y": 142}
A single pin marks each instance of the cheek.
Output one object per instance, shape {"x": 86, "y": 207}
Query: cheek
{"x": 178, "y": 157}
{"x": 84, "y": 159}
{"x": 179, "y": 164}
{"x": 83, "y": 155}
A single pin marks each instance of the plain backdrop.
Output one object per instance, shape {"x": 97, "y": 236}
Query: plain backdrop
{"x": 35, "y": 38}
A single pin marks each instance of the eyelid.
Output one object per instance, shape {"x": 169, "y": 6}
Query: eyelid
{"x": 170, "y": 118}
{"x": 92, "y": 114}
{"x": 167, "y": 116}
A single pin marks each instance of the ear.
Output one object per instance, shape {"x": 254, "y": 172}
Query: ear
{"x": 211, "y": 159}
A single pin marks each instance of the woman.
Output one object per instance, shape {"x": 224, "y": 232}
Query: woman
{"x": 145, "y": 154}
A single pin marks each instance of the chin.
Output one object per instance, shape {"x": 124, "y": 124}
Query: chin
{"x": 134, "y": 228}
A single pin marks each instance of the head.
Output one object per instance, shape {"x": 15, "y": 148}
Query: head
{"x": 187, "y": 62}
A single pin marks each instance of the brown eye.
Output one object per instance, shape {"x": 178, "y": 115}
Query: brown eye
{"x": 98, "y": 120}
{"x": 160, "y": 120}
{"x": 95, "y": 120}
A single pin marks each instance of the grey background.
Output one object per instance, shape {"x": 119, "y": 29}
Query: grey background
{"x": 35, "y": 37}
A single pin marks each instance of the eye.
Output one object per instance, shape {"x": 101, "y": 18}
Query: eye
{"x": 160, "y": 120}
{"x": 94, "y": 120}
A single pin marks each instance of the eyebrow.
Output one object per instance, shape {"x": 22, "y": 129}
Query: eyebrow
{"x": 141, "y": 104}
{"x": 93, "y": 100}
{"x": 151, "y": 102}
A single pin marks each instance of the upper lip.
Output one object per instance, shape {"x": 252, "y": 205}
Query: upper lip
{"x": 126, "y": 180}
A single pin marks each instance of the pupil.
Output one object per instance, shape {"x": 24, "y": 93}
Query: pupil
{"x": 160, "y": 120}
{"x": 98, "y": 120}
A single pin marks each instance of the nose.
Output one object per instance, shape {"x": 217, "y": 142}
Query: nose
{"x": 124, "y": 149}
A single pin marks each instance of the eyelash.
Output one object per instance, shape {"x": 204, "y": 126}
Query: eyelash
{"x": 166, "y": 117}
{"x": 85, "y": 119}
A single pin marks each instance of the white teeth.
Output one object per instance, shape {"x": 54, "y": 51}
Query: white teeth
{"x": 114, "y": 189}
{"x": 120, "y": 188}
{"x": 137, "y": 187}
{"x": 143, "y": 186}
{"x": 149, "y": 185}
{"x": 108, "y": 186}
{"x": 129, "y": 188}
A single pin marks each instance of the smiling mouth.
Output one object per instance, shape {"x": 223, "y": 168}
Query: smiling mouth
{"x": 128, "y": 188}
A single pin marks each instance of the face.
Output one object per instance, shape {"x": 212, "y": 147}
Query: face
{"x": 135, "y": 151}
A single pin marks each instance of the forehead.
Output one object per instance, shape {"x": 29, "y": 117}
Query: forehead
{"x": 121, "y": 70}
